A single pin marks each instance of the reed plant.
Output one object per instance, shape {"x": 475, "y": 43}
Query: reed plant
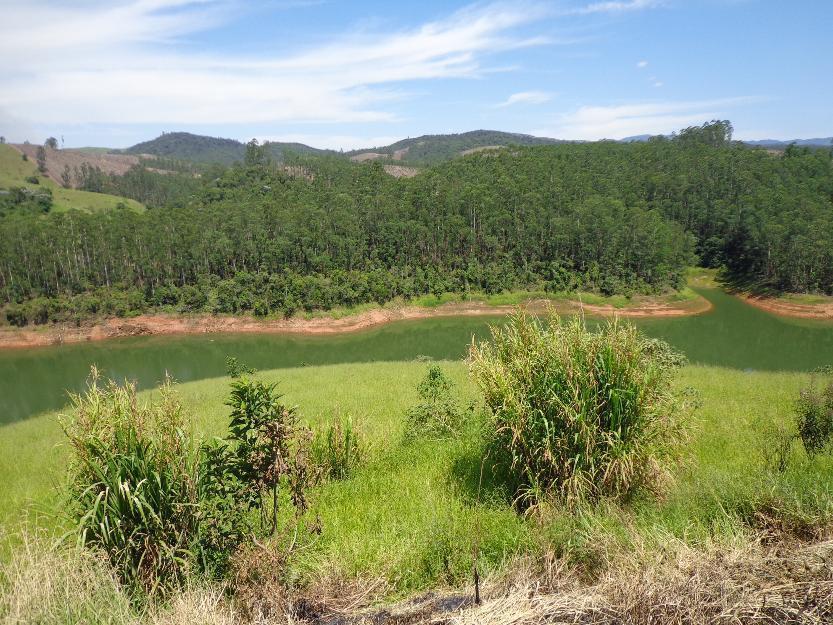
{"x": 576, "y": 414}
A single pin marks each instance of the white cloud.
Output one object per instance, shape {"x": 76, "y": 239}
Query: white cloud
{"x": 122, "y": 63}
{"x": 642, "y": 64}
{"x": 658, "y": 83}
{"x": 619, "y": 121}
{"x": 617, "y": 6}
{"x": 526, "y": 97}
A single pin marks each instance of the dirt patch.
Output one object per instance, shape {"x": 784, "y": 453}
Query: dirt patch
{"x": 400, "y": 171}
{"x": 791, "y": 309}
{"x": 368, "y": 156}
{"x": 159, "y": 324}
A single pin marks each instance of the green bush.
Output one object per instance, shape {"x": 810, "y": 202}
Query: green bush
{"x": 235, "y": 368}
{"x": 161, "y": 505}
{"x": 815, "y": 419}
{"x": 437, "y": 414}
{"x": 268, "y": 450}
{"x": 133, "y": 480}
{"x": 16, "y": 315}
{"x": 337, "y": 450}
{"x": 576, "y": 414}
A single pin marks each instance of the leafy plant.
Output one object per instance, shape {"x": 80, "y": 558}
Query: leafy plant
{"x": 437, "y": 414}
{"x": 576, "y": 414}
{"x": 267, "y": 449}
{"x": 235, "y": 368}
{"x": 814, "y": 417}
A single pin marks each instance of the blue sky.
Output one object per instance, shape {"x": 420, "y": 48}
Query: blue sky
{"x": 358, "y": 73}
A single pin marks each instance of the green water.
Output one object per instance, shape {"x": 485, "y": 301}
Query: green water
{"x": 732, "y": 334}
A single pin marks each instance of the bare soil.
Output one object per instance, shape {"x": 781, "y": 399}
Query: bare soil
{"x": 162, "y": 324}
{"x": 787, "y": 308}
{"x": 401, "y": 171}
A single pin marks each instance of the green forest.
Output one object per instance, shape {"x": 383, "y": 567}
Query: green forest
{"x": 315, "y": 232}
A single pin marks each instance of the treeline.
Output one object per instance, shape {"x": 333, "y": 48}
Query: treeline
{"x": 323, "y": 232}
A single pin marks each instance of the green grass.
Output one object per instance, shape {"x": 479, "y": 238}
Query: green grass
{"x": 412, "y": 515}
{"x": 14, "y": 170}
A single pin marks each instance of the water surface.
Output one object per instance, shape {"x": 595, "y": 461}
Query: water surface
{"x": 732, "y": 334}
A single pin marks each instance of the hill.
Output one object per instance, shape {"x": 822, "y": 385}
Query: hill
{"x": 771, "y": 144}
{"x": 15, "y": 172}
{"x": 778, "y": 144}
{"x": 424, "y": 150}
{"x": 201, "y": 149}
{"x": 430, "y": 149}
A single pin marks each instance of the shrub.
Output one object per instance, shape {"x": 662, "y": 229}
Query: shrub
{"x": 337, "y": 450}
{"x": 158, "y": 504}
{"x": 814, "y": 416}
{"x": 437, "y": 414}
{"x": 575, "y": 414}
{"x": 268, "y": 449}
{"x": 235, "y": 368}
{"x": 16, "y": 315}
{"x": 260, "y": 308}
{"x": 133, "y": 482}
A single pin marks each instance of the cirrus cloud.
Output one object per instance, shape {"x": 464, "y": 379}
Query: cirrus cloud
{"x": 526, "y": 97}
{"x": 121, "y": 63}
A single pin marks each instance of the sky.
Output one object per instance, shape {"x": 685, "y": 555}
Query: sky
{"x": 348, "y": 74}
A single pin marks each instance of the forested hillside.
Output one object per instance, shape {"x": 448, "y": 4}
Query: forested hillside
{"x": 200, "y": 149}
{"x": 424, "y": 150}
{"x": 607, "y": 217}
{"x": 433, "y": 149}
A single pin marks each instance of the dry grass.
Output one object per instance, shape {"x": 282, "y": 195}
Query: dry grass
{"x": 787, "y": 583}
{"x": 754, "y": 583}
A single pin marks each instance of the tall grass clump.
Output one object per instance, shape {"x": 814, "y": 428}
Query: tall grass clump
{"x": 576, "y": 414}
{"x": 133, "y": 482}
{"x": 337, "y": 450}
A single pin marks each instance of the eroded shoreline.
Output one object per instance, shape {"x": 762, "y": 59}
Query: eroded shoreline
{"x": 163, "y": 324}
{"x": 785, "y": 308}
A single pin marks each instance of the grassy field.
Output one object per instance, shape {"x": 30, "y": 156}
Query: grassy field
{"x": 414, "y": 515}
{"x": 14, "y": 170}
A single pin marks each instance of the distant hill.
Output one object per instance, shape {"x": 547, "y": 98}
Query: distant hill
{"x": 185, "y": 146}
{"x": 407, "y": 153}
{"x": 429, "y": 149}
{"x": 188, "y": 147}
{"x": 772, "y": 144}
{"x": 777, "y": 144}
{"x": 424, "y": 150}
